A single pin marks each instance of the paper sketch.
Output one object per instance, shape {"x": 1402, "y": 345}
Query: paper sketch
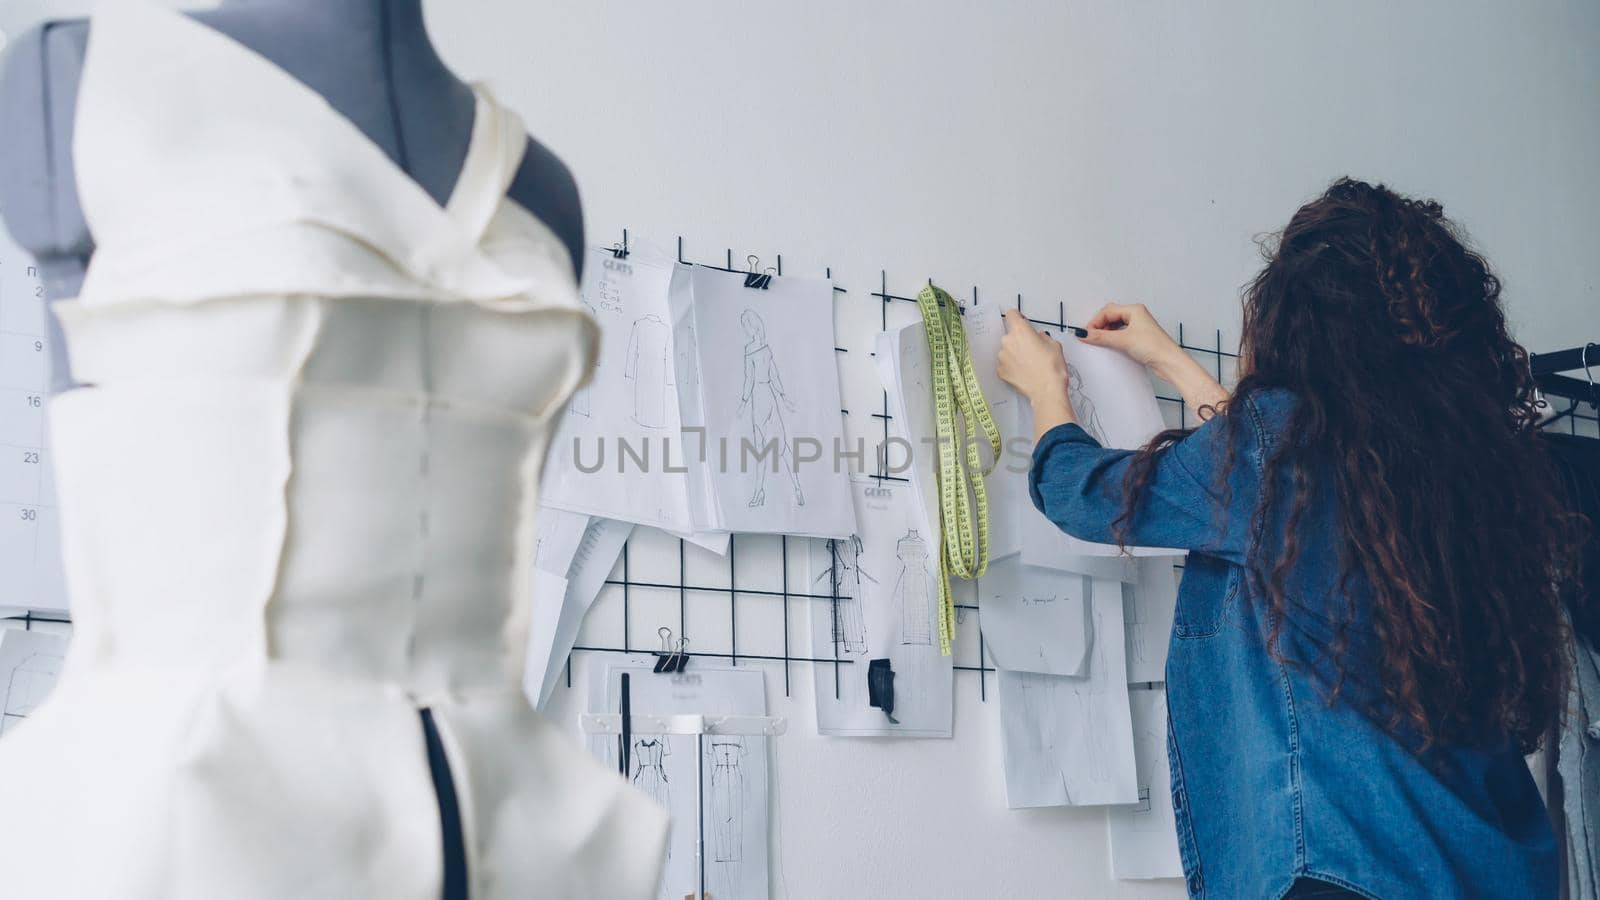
{"x": 650, "y": 367}
{"x": 1035, "y": 620}
{"x": 619, "y": 454}
{"x": 1083, "y": 405}
{"x": 914, "y": 590}
{"x": 1144, "y": 837}
{"x": 31, "y": 572}
{"x": 885, "y": 572}
{"x": 726, "y": 801}
{"x": 1069, "y": 741}
{"x": 30, "y": 663}
{"x": 585, "y": 549}
{"x": 768, "y": 390}
{"x": 764, "y": 400}
{"x": 845, "y": 577}
{"x": 650, "y": 768}
{"x": 1116, "y": 404}
{"x": 1148, "y": 606}
{"x": 905, "y": 368}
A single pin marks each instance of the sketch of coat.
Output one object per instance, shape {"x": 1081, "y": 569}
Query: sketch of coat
{"x": 649, "y": 367}
{"x": 912, "y": 589}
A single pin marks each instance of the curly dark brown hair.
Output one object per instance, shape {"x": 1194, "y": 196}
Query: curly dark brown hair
{"x": 1413, "y": 398}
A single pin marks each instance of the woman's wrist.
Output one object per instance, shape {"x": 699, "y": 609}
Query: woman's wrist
{"x": 1051, "y": 411}
{"x": 1199, "y": 389}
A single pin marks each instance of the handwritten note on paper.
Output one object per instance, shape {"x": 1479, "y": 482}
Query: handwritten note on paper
{"x": 30, "y": 543}
{"x": 1035, "y": 620}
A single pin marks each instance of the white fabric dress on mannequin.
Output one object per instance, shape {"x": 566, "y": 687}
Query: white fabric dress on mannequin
{"x": 298, "y": 507}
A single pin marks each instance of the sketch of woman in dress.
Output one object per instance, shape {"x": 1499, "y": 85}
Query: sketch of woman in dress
{"x": 912, "y": 590}
{"x": 844, "y": 575}
{"x": 764, "y": 396}
{"x": 1082, "y": 405}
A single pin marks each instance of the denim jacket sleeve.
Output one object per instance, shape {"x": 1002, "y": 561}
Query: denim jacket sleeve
{"x": 1078, "y": 485}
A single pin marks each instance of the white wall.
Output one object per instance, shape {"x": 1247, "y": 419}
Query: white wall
{"x": 1074, "y": 152}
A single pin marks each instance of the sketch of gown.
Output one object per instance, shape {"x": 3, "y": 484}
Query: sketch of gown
{"x": 766, "y": 399}
{"x": 845, "y": 575}
{"x": 649, "y": 367}
{"x": 650, "y": 772}
{"x": 912, "y": 590}
{"x": 727, "y": 800}
{"x": 1083, "y": 406}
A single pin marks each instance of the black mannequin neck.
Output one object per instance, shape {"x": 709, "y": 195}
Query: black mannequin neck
{"x": 399, "y": 24}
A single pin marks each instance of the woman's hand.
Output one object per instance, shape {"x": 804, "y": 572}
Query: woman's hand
{"x": 1032, "y": 362}
{"x": 1135, "y": 332}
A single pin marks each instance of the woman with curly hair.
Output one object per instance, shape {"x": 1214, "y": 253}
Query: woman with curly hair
{"x": 1370, "y": 634}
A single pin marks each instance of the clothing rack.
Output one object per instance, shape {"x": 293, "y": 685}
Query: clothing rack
{"x": 1548, "y": 373}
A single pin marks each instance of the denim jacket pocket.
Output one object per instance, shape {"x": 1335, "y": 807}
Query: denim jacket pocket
{"x": 1204, "y": 603}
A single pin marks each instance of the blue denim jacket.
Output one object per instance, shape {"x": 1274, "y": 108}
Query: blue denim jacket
{"x": 1269, "y": 781}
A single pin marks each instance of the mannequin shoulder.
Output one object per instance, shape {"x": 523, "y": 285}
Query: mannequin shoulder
{"x": 39, "y": 76}
{"x": 544, "y": 186}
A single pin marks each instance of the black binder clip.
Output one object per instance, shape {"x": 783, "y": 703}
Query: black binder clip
{"x": 621, "y": 251}
{"x": 757, "y": 279}
{"x": 671, "y": 658}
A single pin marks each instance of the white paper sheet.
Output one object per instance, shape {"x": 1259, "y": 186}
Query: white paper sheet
{"x": 1148, "y": 606}
{"x": 904, "y": 367}
{"x": 30, "y": 663}
{"x": 732, "y": 791}
{"x": 31, "y": 573}
{"x": 769, "y": 392}
{"x": 625, "y": 427}
{"x": 1143, "y": 837}
{"x": 1114, "y": 401}
{"x": 1035, "y": 620}
{"x": 1069, "y": 741}
{"x": 554, "y": 626}
{"x": 888, "y": 595}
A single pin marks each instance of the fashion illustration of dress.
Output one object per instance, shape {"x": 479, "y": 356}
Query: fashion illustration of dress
{"x": 912, "y": 590}
{"x": 727, "y": 800}
{"x": 650, "y": 368}
{"x": 845, "y": 576}
{"x": 297, "y": 501}
{"x": 764, "y": 398}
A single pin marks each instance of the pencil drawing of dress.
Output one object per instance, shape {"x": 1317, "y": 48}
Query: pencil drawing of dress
{"x": 649, "y": 366}
{"x": 912, "y": 590}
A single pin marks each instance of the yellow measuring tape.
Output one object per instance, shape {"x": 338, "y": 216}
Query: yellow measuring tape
{"x": 963, "y": 499}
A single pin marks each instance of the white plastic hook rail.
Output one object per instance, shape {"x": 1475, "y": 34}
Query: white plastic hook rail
{"x": 611, "y": 724}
